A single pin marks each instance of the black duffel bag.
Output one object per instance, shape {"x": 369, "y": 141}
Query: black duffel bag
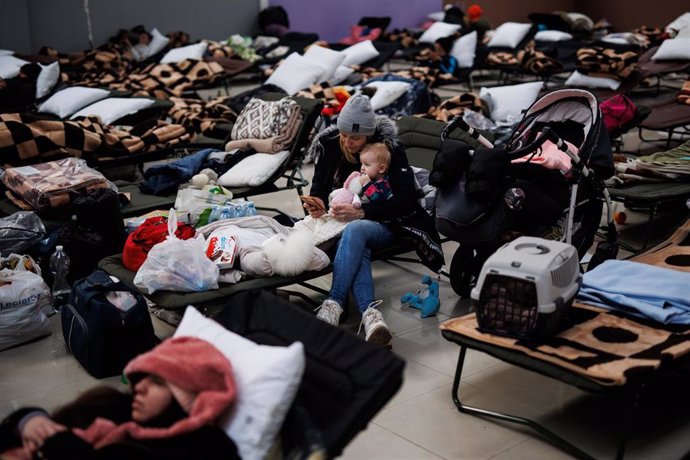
{"x": 103, "y": 337}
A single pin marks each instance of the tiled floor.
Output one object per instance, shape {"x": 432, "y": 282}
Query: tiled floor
{"x": 421, "y": 421}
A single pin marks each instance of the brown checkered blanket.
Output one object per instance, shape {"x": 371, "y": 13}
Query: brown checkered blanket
{"x": 653, "y": 35}
{"x": 24, "y": 138}
{"x": 426, "y": 75}
{"x": 598, "y": 61}
{"x": 406, "y": 38}
{"x": 537, "y": 62}
{"x": 528, "y": 58}
{"x": 113, "y": 66}
{"x": 160, "y": 81}
{"x": 201, "y": 117}
{"x": 502, "y": 59}
{"x": 456, "y": 105}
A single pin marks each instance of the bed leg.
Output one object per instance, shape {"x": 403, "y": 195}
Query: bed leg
{"x": 549, "y": 435}
{"x": 627, "y": 422}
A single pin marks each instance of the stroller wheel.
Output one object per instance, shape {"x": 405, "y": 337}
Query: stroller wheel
{"x": 462, "y": 271}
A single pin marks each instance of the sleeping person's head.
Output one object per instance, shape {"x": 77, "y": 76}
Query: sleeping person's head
{"x": 443, "y": 45}
{"x": 182, "y": 377}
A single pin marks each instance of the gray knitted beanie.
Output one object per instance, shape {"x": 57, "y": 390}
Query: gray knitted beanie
{"x": 357, "y": 116}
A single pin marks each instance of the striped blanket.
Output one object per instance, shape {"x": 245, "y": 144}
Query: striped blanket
{"x": 26, "y": 138}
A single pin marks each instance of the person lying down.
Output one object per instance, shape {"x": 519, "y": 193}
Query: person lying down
{"x": 181, "y": 390}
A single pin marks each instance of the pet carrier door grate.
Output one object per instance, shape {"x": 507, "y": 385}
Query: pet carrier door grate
{"x": 508, "y": 306}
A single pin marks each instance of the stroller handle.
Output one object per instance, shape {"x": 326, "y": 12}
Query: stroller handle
{"x": 458, "y": 122}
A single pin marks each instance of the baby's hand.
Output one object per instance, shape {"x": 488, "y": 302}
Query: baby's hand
{"x": 364, "y": 179}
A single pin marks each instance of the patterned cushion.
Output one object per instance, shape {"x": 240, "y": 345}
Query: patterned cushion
{"x": 263, "y": 119}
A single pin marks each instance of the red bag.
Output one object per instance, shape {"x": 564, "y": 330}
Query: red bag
{"x": 154, "y": 230}
{"x": 617, "y": 110}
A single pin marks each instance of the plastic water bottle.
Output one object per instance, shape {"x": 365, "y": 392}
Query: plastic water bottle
{"x": 215, "y": 214}
{"x": 227, "y": 212}
{"x": 248, "y": 208}
{"x": 59, "y": 266}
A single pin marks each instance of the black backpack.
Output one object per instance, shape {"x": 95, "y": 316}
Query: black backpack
{"x": 102, "y": 337}
{"x": 97, "y": 232}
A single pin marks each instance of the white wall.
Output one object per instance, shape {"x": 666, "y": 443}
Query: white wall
{"x": 27, "y": 25}
{"x": 14, "y": 25}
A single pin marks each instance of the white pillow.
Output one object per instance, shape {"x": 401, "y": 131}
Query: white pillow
{"x": 114, "y": 108}
{"x": 193, "y": 52}
{"x": 509, "y": 34}
{"x": 464, "y": 50}
{"x": 616, "y": 40}
{"x": 47, "y": 79}
{"x": 438, "y": 30}
{"x": 359, "y": 53}
{"x": 676, "y": 48}
{"x": 326, "y": 58}
{"x": 552, "y": 36}
{"x": 10, "y": 65}
{"x": 436, "y": 15}
{"x": 6, "y": 52}
{"x": 387, "y": 92}
{"x": 267, "y": 380}
{"x": 681, "y": 24}
{"x": 341, "y": 73}
{"x": 253, "y": 170}
{"x": 67, "y": 101}
{"x": 586, "y": 81}
{"x": 295, "y": 73}
{"x": 508, "y": 102}
{"x": 157, "y": 43}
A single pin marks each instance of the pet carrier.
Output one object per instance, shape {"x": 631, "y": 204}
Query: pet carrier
{"x": 490, "y": 196}
{"x": 526, "y": 287}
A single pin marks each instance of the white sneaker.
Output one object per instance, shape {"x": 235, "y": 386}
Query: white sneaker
{"x": 330, "y": 312}
{"x": 375, "y": 329}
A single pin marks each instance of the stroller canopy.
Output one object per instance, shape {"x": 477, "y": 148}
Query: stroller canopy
{"x": 566, "y": 106}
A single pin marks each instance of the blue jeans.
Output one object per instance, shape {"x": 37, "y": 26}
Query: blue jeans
{"x": 352, "y": 263}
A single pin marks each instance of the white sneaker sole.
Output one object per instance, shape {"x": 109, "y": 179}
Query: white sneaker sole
{"x": 381, "y": 336}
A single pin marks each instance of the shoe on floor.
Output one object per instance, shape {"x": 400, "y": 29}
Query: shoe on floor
{"x": 329, "y": 311}
{"x": 375, "y": 329}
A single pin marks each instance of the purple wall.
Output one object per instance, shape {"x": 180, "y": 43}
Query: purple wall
{"x": 331, "y": 19}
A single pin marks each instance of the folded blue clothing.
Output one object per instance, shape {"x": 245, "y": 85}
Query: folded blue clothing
{"x": 644, "y": 290}
{"x": 163, "y": 179}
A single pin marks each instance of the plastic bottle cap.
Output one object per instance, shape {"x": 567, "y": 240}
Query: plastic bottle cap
{"x": 58, "y": 247}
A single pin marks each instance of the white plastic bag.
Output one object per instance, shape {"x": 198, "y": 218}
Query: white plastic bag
{"x": 20, "y": 263}
{"x": 177, "y": 265}
{"x": 24, "y": 299}
{"x": 195, "y": 201}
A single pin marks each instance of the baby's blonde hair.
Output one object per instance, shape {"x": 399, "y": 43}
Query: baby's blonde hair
{"x": 383, "y": 153}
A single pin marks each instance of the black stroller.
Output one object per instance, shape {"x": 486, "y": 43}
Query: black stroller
{"x": 485, "y": 198}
